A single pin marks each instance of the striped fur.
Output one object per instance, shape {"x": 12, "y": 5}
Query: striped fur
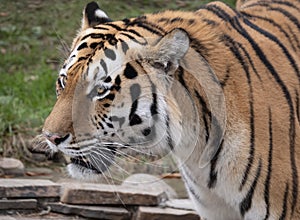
{"x": 255, "y": 53}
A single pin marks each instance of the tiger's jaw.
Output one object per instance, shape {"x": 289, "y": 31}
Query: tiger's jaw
{"x": 89, "y": 159}
{"x": 83, "y": 170}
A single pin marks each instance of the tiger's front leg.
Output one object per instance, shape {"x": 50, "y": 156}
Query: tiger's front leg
{"x": 206, "y": 202}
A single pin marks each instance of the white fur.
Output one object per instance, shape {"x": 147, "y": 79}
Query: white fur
{"x": 100, "y": 14}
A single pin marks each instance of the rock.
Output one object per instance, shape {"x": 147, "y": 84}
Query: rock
{"x": 179, "y": 187}
{"x": 27, "y": 188}
{"x": 148, "y": 182}
{"x": 97, "y": 212}
{"x": 17, "y": 204}
{"x": 39, "y": 157}
{"x": 11, "y": 166}
{"x": 180, "y": 204}
{"x": 2, "y": 173}
{"x": 155, "y": 213}
{"x": 38, "y": 171}
{"x": 39, "y": 216}
{"x": 110, "y": 195}
{"x": 7, "y": 217}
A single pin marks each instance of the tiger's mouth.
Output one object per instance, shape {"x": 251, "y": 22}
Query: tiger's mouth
{"x": 80, "y": 163}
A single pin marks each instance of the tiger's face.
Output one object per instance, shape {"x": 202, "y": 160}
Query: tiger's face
{"x": 113, "y": 95}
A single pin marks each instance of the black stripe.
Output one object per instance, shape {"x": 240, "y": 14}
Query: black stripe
{"x": 169, "y": 138}
{"x": 298, "y": 106}
{"x": 79, "y": 59}
{"x": 82, "y": 46}
{"x": 288, "y": 15}
{"x": 146, "y": 131}
{"x": 176, "y": 19}
{"x": 130, "y": 72}
{"x": 110, "y": 54}
{"x": 199, "y": 47}
{"x": 59, "y": 83}
{"x": 118, "y": 80}
{"x": 151, "y": 29}
{"x": 108, "y": 79}
{"x": 94, "y": 122}
{"x": 205, "y": 113}
{"x": 233, "y": 46}
{"x": 223, "y": 15}
{"x": 109, "y": 125}
{"x": 286, "y": 3}
{"x": 100, "y": 28}
{"x": 127, "y": 30}
{"x": 153, "y": 108}
{"x": 186, "y": 175}
{"x": 271, "y": 21}
{"x": 268, "y": 4}
{"x": 288, "y": 98}
{"x": 275, "y": 39}
{"x": 154, "y": 105}
{"x": 259, "y": 4}
{"x": 93, "y": 35}
{"x": 213, "y": 173}
{"x": 124, "y": 46}
{"x": 147, "y": 26}
{"x": 101, "y": 125}
{"x": 270, "y": 158}
{"x": 166, "y": 20}
{"x": 114, "y": 26}
{"x": 247, "y": 202}
{"x": 215, "y": 10}
{"x": 223, "y": 82}
{"x": 236, "y": 25}
{"x": 104, "y": 66}
{"x": 124, "y": 29}
{"x": 135, "y": 32}
{"x": 180, "y": 74}
{"x": 110, "y": 96}
{"x": 129, "y": 36}
{"x": 94, "y": 45}
{"x": 134, "y": 39}
{"x": 284, "y": 205}
{"x": 134, "y": 119}
{"x": 210, "y": 22}
{"x": 196, "y": 196}
{"x": 135, "y": 92}
{"x": 295, "y": 37}
{"x": 112, "y": 40}
{"x": 191, "y": 21}
{"x": 236, "y": 46}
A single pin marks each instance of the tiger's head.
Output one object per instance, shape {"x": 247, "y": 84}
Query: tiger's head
{"x": 113, "y": 93}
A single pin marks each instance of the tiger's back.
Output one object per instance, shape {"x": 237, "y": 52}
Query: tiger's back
{"x": 261, "y": 81}
{"x": 264, "y": 42}
{"x": 254, "y": 52}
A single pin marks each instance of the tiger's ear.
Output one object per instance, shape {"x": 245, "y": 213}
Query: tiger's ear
{"x": 171, "y": 47}
{"x": 93, "y": 15}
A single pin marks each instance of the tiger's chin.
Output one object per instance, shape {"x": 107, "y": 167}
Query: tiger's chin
{"x": 83, "y": 170}
{"x": 80, "y": 172}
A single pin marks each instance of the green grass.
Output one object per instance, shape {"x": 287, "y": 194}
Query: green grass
{"x": 32, "y": 33}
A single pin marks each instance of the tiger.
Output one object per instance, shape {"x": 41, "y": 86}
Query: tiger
{"x": 217, "y": 88}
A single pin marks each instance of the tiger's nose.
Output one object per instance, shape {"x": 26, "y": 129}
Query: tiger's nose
{"x": 56, "y": 139}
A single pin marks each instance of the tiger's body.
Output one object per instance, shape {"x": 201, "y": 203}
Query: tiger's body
{"x": 254, "y": 52}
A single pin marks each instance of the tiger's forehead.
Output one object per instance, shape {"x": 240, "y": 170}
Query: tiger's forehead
{"x": 91, "y": 42}
{"x": 99, "y": 32}
{"x": 103, "y": 49}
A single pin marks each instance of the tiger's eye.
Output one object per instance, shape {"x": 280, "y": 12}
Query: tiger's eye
{"x": 101, "y": 91}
